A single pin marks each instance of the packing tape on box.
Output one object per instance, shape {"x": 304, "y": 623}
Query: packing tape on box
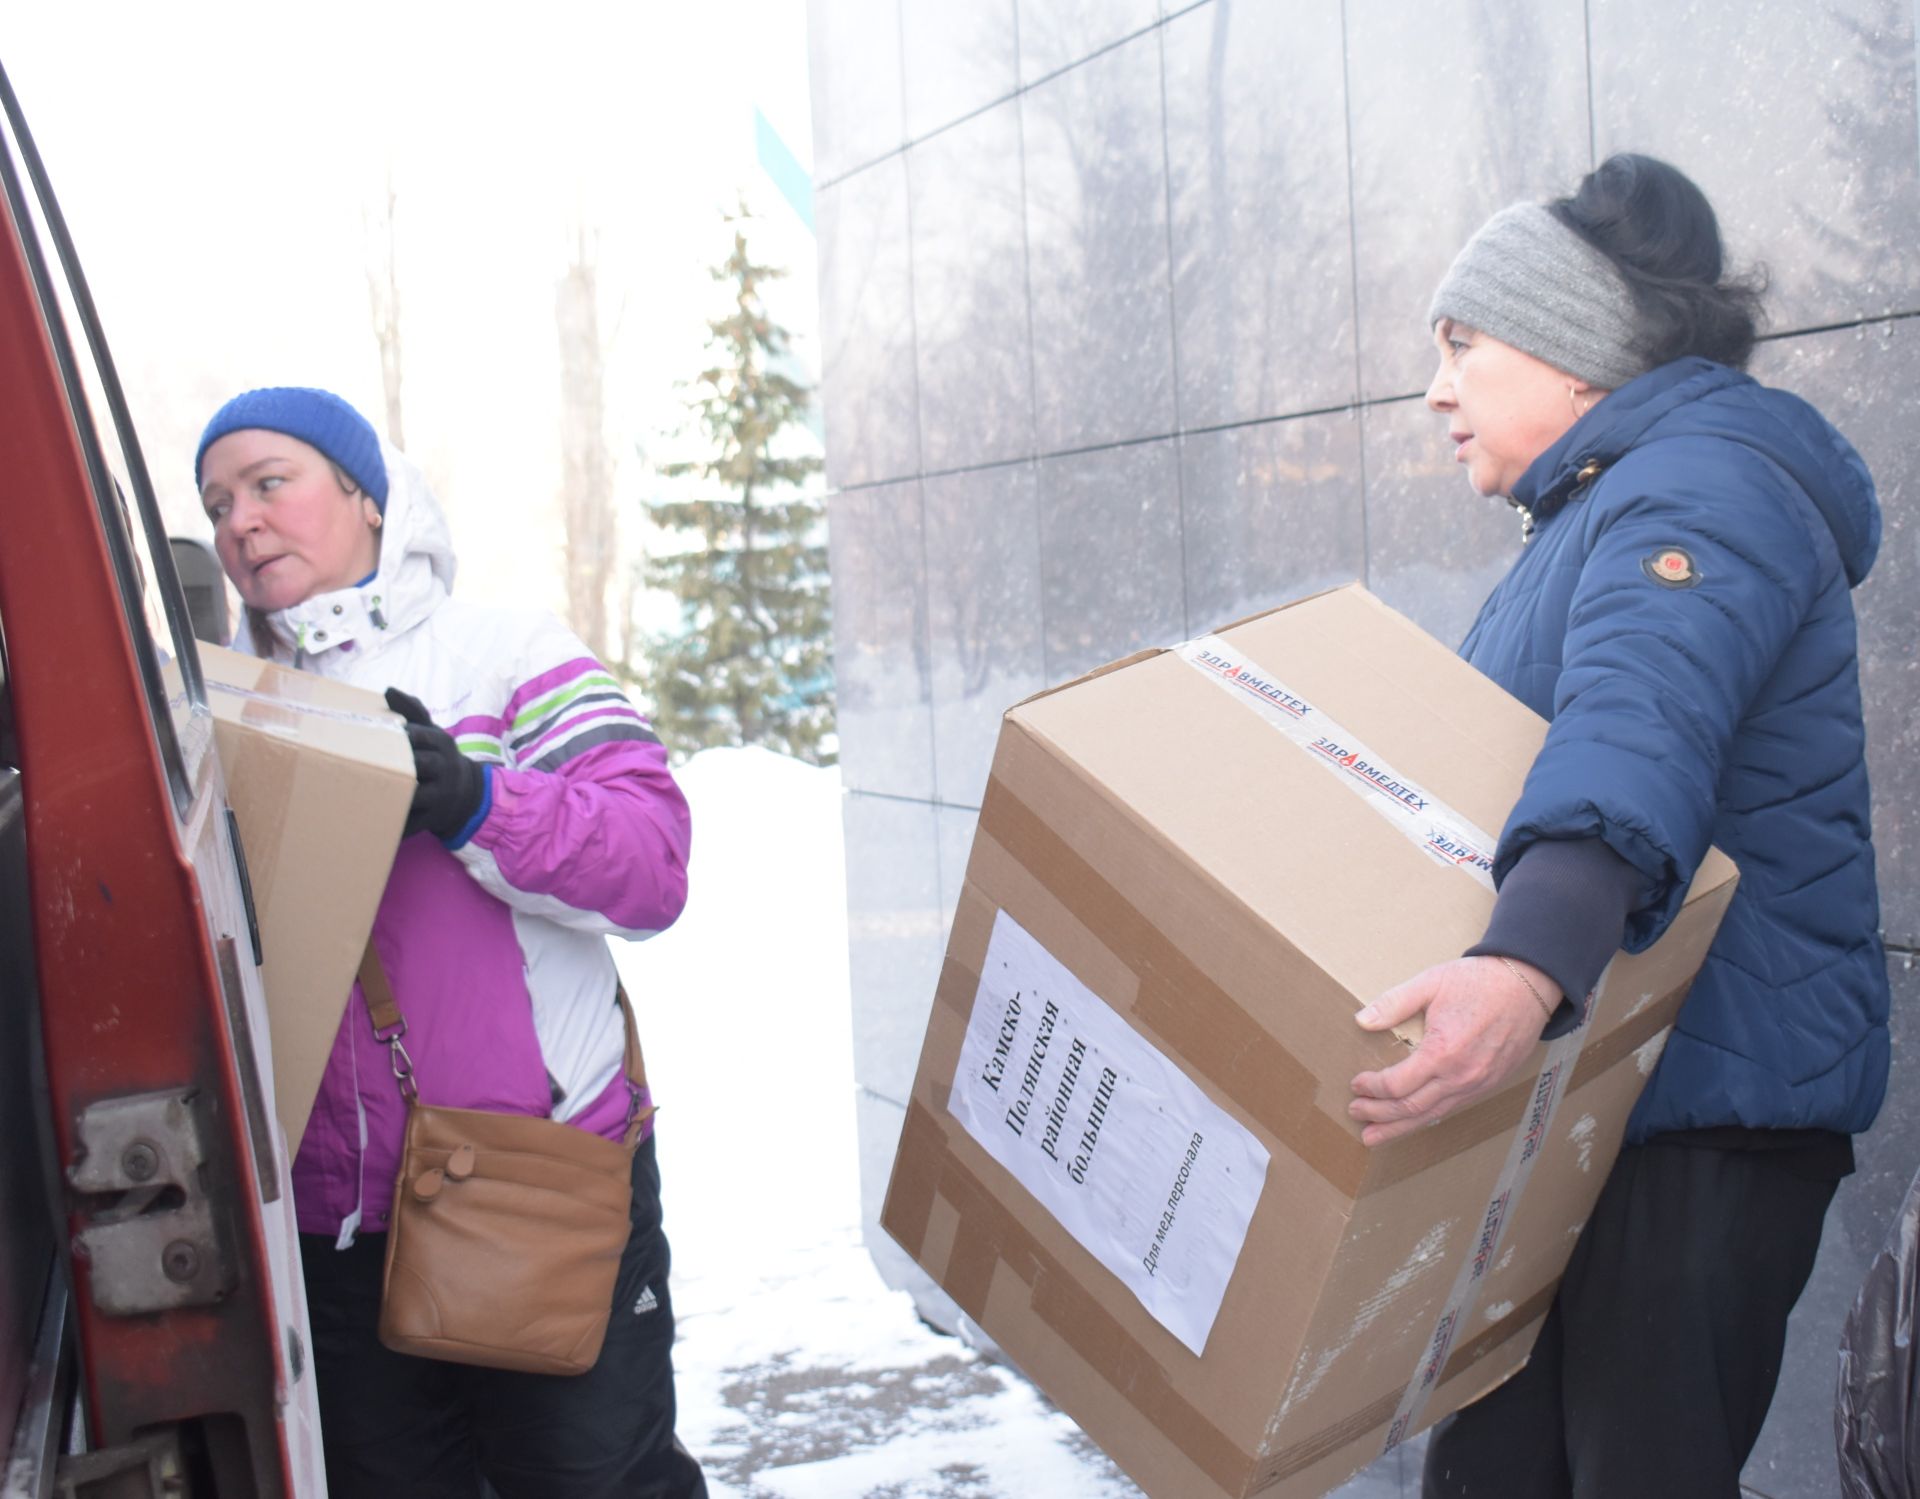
{"x": 270, "y": 710}
{"x": 1439, "y": 831}
{"x": 1447, "y": 837}
{"x": 989, "y": 1239}
{"x": 1311, "y": 1449}
{"x": 1549, "y": 1088}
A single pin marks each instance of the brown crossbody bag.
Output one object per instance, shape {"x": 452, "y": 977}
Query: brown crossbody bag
{"x": 507, "y": 1230}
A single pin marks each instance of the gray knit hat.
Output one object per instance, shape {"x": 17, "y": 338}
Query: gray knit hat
{"x": 1532, "y": 282}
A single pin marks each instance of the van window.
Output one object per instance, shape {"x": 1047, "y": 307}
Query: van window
{"x": 143, "y": 563}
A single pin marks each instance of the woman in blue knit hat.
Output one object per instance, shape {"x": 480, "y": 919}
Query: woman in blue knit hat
{"x": 544, "y": 820}
{"x": 1680, "y": 612}
{"x": 315, "y": 465}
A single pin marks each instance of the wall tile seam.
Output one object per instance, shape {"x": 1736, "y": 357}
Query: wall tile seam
{"x": 1210, "y": 429}
{"x": 903, "y": 799}
{"x": 909, "y": 799}
{"x": 1593, "y": 113}
{"x": 1173, "y": 332}
{"x": 924, "y": 623}
{"x": 822, "y": 184}
{"x": 1353, "y": 277}
{"x": 1033, "y": 357}
{"x": 1863, "y": 324}
{"x": 861, "y": 1089}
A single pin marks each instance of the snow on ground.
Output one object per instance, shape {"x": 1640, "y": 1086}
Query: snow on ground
{"x": 800, "y": 1375}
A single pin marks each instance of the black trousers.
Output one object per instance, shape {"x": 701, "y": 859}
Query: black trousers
{"x": 399, "y": 1427}
{"x": 1658, "y": 1360}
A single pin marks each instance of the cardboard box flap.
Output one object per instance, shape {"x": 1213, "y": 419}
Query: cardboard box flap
{"x": 332, "y": 717}
{"x": 1212, "y": 908}
{"x": 1099, "y": 671}
{"x": 1305, "y": 598}
{"x": 1258, "y": 818}
{"x": 319, "y": 775}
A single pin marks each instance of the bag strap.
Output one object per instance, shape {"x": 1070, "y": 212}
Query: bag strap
{"x": 379, "y": 993}
{"x": 389, "y": 1025}
{"x": 390, "y": 1029}
{"x": 637, "y": 1113}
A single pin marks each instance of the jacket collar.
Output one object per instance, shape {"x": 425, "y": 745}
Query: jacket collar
{"x": 1695, "y": 397}
{"x": 345, "y": 617}
{"x": 1606, "y": 433}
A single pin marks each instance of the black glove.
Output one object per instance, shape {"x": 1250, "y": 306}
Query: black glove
{"x": 451, "y": 787}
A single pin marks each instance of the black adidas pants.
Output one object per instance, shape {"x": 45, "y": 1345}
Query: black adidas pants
{"x": 1657, "y": 1362}
{"x": 396, "y": 1425}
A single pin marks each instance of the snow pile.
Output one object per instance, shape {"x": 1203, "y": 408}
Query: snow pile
{"x": 800, "y": 1375}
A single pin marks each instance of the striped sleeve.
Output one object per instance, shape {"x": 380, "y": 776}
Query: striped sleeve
{"x": 567, "y": 711}
{"x": 586, "y": 826}
{"x": 555, "y": 716}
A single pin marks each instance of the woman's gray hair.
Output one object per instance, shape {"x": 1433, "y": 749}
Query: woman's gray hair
{"x": 1530, "y": 281}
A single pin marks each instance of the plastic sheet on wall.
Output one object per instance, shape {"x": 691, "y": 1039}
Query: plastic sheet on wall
{"x": 1877, "y": 1418}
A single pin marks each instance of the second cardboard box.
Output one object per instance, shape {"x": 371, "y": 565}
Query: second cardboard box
{"x": 1127, "y": 1153}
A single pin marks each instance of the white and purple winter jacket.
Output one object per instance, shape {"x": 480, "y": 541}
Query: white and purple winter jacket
{"x": 495, "y": 943}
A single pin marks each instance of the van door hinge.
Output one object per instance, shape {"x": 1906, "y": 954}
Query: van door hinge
{"x": 149, "y": 1467}
{"x": 152, "y": 1241}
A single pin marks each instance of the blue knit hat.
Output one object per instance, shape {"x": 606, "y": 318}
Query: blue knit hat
{"x": 318, "y": 418}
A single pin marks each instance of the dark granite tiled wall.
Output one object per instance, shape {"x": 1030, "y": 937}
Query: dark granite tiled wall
{"x": 1122, "y": 310}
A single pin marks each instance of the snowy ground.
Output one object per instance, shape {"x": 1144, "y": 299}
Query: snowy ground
{"x": 800, "y": 1375}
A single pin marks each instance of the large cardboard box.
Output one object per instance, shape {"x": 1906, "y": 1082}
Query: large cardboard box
{"x": 319, "y": 776}
{"x": 1127, "y": 1154}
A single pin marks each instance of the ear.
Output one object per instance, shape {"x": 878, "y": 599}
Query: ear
{"x": 1582, "y": 395}
{"x": 370, "y": 512}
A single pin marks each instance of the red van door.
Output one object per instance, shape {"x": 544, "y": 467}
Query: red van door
{"x": 137, "y": 1027}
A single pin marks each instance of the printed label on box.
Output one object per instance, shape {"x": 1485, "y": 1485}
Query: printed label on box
{"x": 1152, "y": 1177}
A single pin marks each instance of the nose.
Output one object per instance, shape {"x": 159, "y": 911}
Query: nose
{"x": 1440, "y": 391}
{"x": 244, "y": 514}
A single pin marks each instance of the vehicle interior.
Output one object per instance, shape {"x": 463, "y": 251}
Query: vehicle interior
{"x": 35, "y": 1356}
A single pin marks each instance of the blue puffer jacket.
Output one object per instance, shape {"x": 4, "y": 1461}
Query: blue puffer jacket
{"x": 1684, "y": 621}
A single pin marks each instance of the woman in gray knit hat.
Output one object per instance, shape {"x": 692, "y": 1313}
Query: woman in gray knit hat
{"x": 1680, "y": 612}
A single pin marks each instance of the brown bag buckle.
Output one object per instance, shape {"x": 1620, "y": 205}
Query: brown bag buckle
{"x": 394, "y": 1039}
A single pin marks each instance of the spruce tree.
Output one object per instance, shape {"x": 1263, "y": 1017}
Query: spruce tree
{"x": 750, "y": 662}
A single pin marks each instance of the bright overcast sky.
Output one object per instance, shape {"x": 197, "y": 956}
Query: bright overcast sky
{"x": 215, "y": 163}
